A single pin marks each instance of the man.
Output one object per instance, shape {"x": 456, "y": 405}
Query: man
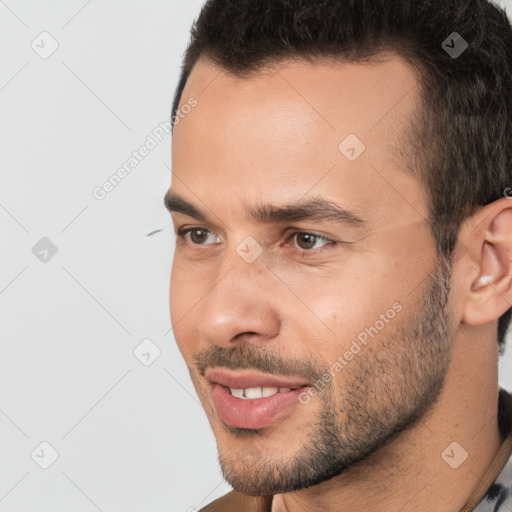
{"x": 342, "y": 279}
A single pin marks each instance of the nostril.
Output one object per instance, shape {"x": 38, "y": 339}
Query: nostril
{"x": 248, "y": 333}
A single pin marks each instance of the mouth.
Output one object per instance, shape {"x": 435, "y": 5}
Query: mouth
{"x": 250, "y": 400}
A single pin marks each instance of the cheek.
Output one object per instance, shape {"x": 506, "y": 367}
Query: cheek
{"x": 186, "y": 338}
{"x": 335, "y": 297}
{"x": 337, "y": 309}
{"x": 176, "y": 290}
{"x": 188, "y": 284}
{"x": 184, "y": 296}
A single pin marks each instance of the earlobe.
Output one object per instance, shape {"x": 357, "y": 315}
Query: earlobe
{"x": 490, "y": 293}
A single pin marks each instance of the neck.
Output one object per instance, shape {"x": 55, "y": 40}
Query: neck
{"x": 413, "y": 471}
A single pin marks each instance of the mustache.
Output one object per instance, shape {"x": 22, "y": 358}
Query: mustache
{"x": 255, "y": 357}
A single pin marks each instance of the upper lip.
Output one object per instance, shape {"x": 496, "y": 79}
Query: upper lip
{"x": 243, "y": 380}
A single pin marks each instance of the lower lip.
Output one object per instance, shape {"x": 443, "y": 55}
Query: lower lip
{"x": 252, "y": 413}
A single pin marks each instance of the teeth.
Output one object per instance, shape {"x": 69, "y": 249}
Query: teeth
{"x": 269, "y": 391}
{"x": 253, "y": 392}
{"x": 257, "y": 392}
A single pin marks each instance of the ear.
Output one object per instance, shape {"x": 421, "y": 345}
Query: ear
{"x": 488, "y": 238}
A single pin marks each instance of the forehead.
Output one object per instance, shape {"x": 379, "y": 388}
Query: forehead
{"x": 342, "y": 95}
{"x": 292, "y": 127}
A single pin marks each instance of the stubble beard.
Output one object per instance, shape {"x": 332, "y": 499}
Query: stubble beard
{"x": 375, "y": 398}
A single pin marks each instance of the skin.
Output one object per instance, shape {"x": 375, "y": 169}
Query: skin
{"x": 426, "y": 380}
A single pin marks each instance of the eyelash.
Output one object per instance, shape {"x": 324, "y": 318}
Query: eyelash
{"x": 332, "y": 244}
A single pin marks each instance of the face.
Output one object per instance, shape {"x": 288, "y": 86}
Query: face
{"x": 306, "y": 295}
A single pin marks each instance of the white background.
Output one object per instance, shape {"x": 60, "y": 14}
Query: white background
{"x": 129, "y": 437}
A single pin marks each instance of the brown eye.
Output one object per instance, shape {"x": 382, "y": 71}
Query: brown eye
{"x": 198, "y": 236}
{"x": 310, "y": 244}
{"x": 306, "y": 241}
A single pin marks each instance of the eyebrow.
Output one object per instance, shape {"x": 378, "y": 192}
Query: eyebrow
{"x": 313, "y": 209}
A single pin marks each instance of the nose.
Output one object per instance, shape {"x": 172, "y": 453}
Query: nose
{"x": 241, "y": 305}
